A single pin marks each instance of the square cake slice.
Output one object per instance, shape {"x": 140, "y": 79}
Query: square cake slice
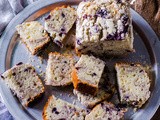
{"x": 33, "y": 35}
{"x": 134, "y": 84}
{"x": 89, "y": 100}
{"x": 87, "y": 74}
{"x": 59, "y": 69}
{"x": 59, "y": 22}
{"x": 106, "y": 111}
{"x": 104, "y": 27}
{"x": 57, "y": 109}
{"x": 24, "y": 82}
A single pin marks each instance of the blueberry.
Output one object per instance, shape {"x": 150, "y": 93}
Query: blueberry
{"x": 27, "y": 69}
{"x": 77, "y": 68}
{"x": 125, "y": 29}
{"x": 54, "y": 109}
{"x": 125, "y": 19}
{"x": 126, "y": 97}
{"x": 94, "y": 74}
{"x": 110, "y": 37}
{"x": 60, "y": 34}
{"x": 28, "y": 99}
{"x": 78, "y": 42}
{"x": 20, "y": 63}
{"x": 96, "y": 29}
{"x": 2, "y": 77}
{"x": 49, "y": 16}
{"x": 102, "y": 13}
{"x": 58, "y": 43}
{"x": 63, "y": 15}
{"x": 102, "y": 104}
{"x": 119, "y": 1}
{"x": 107, "y": 109}
{"x": 141, "y": 71}
{"x": 56, "y": 112}
{"x": 14, "y": 74}
{"x": 135, "y": 103}
{"x": 62, "y": 29}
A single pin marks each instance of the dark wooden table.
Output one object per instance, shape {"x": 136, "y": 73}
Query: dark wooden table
{"x": 157, "y": 115}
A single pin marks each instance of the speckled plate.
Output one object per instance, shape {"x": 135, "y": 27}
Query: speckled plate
{"x": 146, "y": 44}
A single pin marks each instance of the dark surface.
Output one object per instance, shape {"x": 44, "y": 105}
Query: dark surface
{"x": 157, "y": 115}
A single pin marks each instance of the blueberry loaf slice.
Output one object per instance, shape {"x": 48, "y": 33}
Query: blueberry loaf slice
{"x": 24, "y": 82}
{"x": 89, "y": 100}
{"x": 104, "y": 26}
{"x": 57, "y": 109}
{"x": 33, "y": 35}
{"x": 134, "y": 84}
{"x": 59, "y": 69}
{"x": 105, "y": 111}
{"x": 59, "y": 22}
{"x": 87, "y": 74}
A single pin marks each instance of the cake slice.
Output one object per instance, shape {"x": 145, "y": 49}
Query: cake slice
{"x": 104, "y": 27}
{"x": 134, "y": 84}
{"x": 33, "y": 35}
{"x": 105, "y": 111}
{"x": 89, "y": 100}
{"x": 24, "y": 82}
{"x": 57, "y": 109}
{"x": 59, "y": 69}
{"x": 59, "y": 22}
{"x": 87, "y": 74}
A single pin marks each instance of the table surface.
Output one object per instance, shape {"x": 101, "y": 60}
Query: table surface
{"x": 157, "y": 115}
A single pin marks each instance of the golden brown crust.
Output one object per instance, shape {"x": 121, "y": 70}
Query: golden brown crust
{"x": 127, "y": 63}
{"x": 44, "y": 114}
{"x": 82, "y": 86}
{"x": 57, "y": 53}
{"x": 37, "y": 48}
{"x": 60, "y": 7}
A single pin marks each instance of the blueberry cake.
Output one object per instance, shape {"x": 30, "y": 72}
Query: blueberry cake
{"x": 57, "y": 109}
{"x": 59, "y": 22}
{"x": 89, "y": 100}
{"x": 87, "y": 74}
{"x": 104, "y": 27}
{"x": 24, "y": 82}
{"x": 105, "y": 111}
{"x": 59, "y": 69}
{"x": 33, "y": 35}
{"x": 134, "y": 84}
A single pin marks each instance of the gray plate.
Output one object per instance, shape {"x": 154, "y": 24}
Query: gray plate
{"x": 146, "y": 44}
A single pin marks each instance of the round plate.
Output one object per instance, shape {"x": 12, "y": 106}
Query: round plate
{"x": 146, "y": 44}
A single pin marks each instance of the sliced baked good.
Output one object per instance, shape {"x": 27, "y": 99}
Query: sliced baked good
{"x": 59, "y": 22}
{"x": 33, "y": 35}
{"x": 105, "y": 111}
{"x": 87, "y": 74}
{"x": 57, "y": 109}
{"x": 59, "y": 69}
{"x": 104, "y": 26}
{"x": 134, "y": 84}
{"x": 89, "y": 100}
{"x": 24, "y": 82}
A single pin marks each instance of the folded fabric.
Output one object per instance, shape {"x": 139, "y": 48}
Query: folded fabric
{"x": 9, "y": 8}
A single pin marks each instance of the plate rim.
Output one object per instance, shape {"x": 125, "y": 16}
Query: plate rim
{"x": 41, "y": 4}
